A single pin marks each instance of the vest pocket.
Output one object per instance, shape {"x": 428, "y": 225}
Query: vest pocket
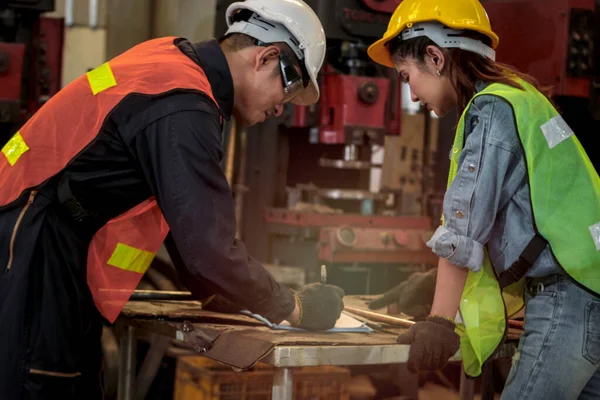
{"x": 591, "y": 340}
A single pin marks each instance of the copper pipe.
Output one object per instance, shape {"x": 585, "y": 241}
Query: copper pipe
{"x": 240, "y": 187}
{"x": 388, "y": 319}
{"x": 513, "y": 323}
{"x": 229, "y": 164}
{"x": 405, "y": 322}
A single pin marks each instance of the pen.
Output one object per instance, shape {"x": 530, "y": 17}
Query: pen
{"x": 323, "y": 274}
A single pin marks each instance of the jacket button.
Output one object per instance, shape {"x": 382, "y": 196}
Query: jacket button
{"x": 471, "y": 168}
{"x": 459, "y": 215}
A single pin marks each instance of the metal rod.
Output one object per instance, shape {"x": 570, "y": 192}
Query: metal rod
{"x": 283, "y": 384}
{"x": 513, "y": 323}
{"x": 127, "y": 374}
{"x": 93, "y": 14}
{"x": 240, "y": 187}
{"x": 404, "y": 322}
{"x": 351, "y": 152}
{"x": 487, "y": 381}
{"x": 467, "y": 386}
{"x": 425, "y": 163}
{"x": 380, "y": 317}
{"x": 69, "y": 13}
{"x": 230, "y": 158}
{"x": 161, "y": 295}
{"x": 151, "y": 363}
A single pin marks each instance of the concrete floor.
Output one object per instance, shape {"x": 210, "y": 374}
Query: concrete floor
{"x": 361, "y": 388}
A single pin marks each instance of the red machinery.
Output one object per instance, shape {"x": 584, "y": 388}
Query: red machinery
{"x": 353, "y": 108}
{"x": 552, "y": 40}
{"x": 369, "y": 243}
{"x": 556, "y": 41}
{"x": 322, "y": 156}
{"x": 30, "y": 61}
{"x": 326, "y": 157}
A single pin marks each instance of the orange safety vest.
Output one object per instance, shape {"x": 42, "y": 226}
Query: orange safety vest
{"x": 122, "y": 250}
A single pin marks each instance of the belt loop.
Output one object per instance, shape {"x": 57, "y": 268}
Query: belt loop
{"x": 540, "y": 287}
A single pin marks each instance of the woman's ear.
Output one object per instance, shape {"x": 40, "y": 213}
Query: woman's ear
{"x": 436, "y": 56}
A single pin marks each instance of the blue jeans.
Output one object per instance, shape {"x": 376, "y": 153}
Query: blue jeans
{"x": 559, "y": 352}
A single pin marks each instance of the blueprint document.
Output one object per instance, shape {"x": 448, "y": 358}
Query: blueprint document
{"x": 345, "y": 323}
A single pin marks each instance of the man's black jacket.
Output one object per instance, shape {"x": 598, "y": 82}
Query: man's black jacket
{"x": 166, "y": 146}
{"x": 170, "y": 147}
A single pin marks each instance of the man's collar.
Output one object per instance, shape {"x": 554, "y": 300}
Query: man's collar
{"x": 212, "y": 60}
{"x": 216, "y": 68}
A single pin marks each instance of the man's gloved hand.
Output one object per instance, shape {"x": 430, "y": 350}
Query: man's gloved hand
{"x": 218, "y": 303}
{"x": 432, "y": 341}
{"x": 413, "y": 297}
{"x": 320, "y": 306}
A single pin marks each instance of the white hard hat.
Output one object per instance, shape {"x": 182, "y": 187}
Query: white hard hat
{"x": 287, "y": 17}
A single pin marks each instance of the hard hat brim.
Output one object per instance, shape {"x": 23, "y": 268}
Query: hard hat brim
{"x": 379, "y": 53}
{"x": 310, "y": 95}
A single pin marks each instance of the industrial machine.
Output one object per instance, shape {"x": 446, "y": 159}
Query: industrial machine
{"x": 311, "y": 180}
{"x": 31, "y": 49}
{"x": 314, "y": 176}
{"x": 556, "y": 41}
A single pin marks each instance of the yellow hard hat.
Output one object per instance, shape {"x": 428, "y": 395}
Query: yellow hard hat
{"x": 456, "y": 14}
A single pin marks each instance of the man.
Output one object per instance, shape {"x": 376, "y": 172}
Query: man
{"x": 126, "y": 158}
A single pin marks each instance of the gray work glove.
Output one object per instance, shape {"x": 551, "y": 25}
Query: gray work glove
{"x": 412, "y": 297}
{"x": 320, "y": 306}
{"x": 432, "y": 342}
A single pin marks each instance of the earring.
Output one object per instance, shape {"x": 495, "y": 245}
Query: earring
{"x": 438, "y": 72}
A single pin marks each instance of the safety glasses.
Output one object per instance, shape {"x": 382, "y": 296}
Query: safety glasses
{"x": 293, "y": 83}
{"x": 290, "y": 78}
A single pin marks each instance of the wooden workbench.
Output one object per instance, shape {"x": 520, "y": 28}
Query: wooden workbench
{"x": 241, "y": 341}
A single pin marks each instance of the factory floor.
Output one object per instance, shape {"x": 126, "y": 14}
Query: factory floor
{"x": 427, "y": 392}
{"x": 362, "y": 388}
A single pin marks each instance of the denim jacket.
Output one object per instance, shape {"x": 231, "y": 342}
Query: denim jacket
{"x": 488, "y": 203}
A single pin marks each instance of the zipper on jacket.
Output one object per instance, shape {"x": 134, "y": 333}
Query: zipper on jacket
{"x": 11, "y": 250}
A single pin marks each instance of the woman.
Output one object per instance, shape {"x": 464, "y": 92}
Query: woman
{"x": 521, "y": 212}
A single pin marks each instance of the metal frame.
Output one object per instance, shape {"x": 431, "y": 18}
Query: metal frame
{"x": 282, "y": 357}
{"x": 285, "y": 216}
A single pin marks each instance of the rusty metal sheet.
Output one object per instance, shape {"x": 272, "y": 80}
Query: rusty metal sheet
{"x": 182, "y": 310}
{"x": 230, "y": 349}
{"x": 301, "y": 219}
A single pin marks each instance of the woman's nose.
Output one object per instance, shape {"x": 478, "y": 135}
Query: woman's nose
{"x": 413, "y": 96}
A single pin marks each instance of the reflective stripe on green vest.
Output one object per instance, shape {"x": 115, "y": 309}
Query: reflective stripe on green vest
{"x": 565, "y": 196}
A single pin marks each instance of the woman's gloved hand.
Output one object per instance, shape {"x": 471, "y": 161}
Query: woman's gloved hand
{"x": 412, "y": 297}
{"x": 432, "y": 343}
{"x": 320, "y": 306}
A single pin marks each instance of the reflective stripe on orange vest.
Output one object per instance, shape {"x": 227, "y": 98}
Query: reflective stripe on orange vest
{"x": 122, "y": 250}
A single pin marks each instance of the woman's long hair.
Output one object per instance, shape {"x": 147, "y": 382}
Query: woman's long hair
{"x": 464, "y": 68}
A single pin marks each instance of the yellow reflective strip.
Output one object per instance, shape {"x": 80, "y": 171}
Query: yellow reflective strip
{"x": 130, "y": 259}
{"x": 101, "y": 78}
{"x": 15, "y": 148}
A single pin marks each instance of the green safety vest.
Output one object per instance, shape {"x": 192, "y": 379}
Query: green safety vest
{"x": 565, "y": 197}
